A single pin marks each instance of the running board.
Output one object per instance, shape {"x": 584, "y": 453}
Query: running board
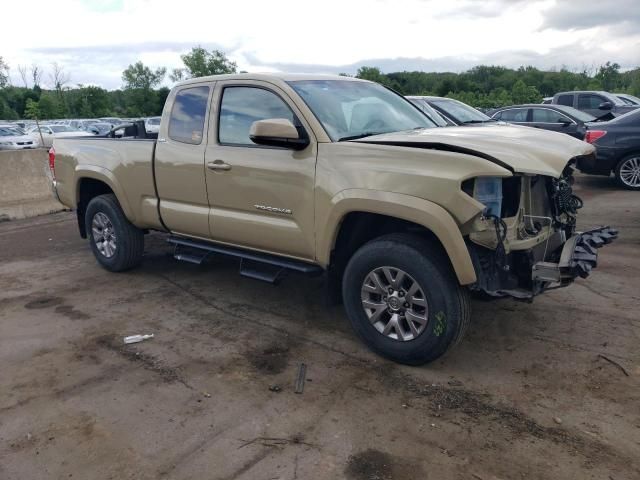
{"x": 260, "y": 266}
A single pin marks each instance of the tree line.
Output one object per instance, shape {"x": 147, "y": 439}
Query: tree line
{"x": 141, "y": 94}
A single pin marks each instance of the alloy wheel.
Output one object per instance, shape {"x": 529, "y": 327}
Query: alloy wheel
{"x": 104, "y": 235}
{"x": 395, "y": 303}
{"x": 630, "y": 172}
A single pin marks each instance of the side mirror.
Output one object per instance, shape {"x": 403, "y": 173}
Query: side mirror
{"x": 277, "y": 132}
{"x": 605, "y": 106}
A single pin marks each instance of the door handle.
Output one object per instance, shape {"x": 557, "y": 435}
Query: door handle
{"x": 218, "y": 165}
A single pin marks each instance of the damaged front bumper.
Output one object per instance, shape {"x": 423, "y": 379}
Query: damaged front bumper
{"x": 523, "y": 275}
{"x": 578, "y": 257}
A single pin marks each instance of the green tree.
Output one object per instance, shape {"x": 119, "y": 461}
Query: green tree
{"x": 4, "y": 73}
{"x": 31, "y": 109}
{"x": 202, "y": 63}
{"x": 140, "y": 76}
{"x": 609, "y": 76}
{"x": 521, "y": 93}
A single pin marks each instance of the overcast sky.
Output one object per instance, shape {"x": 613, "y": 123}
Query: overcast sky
{"x": 96, "y": 40}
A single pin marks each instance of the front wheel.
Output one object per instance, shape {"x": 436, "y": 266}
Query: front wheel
{"x": 627, "y": 172}
{"x": 117, "y": 244}
{"x": 403, "y": 300}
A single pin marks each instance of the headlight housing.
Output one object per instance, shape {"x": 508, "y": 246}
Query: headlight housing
{"x": 488, "y": 191}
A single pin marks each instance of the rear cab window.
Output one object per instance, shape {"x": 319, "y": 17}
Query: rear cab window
{"x": 188, "y": 113}
{"x": 566, "y": 100}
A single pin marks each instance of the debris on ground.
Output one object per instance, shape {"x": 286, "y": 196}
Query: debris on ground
{"x": 302, "y": 373}
{"x": 137, "y": 338}
{"x": 614, "y": 363}
{"x": 558, "y": 420}
{"x": 275, "y": 388}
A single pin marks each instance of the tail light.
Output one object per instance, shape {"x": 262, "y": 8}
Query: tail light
{"x": 52, "y": 162}
{"x": 592, "y": 135}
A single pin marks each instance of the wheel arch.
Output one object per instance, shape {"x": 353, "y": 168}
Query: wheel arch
{"x": 358, "y": 216}
{"x": 93, "y": 182}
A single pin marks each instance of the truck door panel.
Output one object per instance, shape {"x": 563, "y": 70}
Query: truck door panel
{"x": 262, "y": 197}
{"x": 179, "y": 161}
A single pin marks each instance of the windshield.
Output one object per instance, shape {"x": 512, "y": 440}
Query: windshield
{"x": 348, "y": 109}
{"x": 5, "y": 132}
{"x": 429, "y": 111}
{"x": 460, "y": 112}
{"x": 577, "y": 114}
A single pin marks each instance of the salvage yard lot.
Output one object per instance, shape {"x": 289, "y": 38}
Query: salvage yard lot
{"x": 543, "y": 390}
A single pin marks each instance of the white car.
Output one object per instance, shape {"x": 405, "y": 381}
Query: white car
{"x": 49, "y": 132}
{"x": 13, "y": 137}
{"x": 152, "y": 124}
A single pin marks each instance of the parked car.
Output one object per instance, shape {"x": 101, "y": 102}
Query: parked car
{"x": 152, "y": 124}
{"x": 628, "y": 99}
{"x": 602, "y": 105}
{"x": 546, "y": 100}
{"x": 99, "y": 128}
{"x": 617, "y": 145}
{"x": 49, "y": 132}
{"x": 556, "y": 118}
{"x": 13, "y": 137}
{"x": 339, "y": 175}
{"x": 452, "y": 111}
{"x": 112, "y": 120}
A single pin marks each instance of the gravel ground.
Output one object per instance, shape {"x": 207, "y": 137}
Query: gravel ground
{"x": 543, "y": 390}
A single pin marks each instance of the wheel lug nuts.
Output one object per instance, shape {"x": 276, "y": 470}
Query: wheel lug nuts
{"x": 406, "y": 305}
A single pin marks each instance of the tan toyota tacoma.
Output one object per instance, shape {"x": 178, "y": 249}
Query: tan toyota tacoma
{"x": 340, "y": 176}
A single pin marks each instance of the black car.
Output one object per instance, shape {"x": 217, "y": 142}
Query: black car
{"x": 617, "y": 145}
{"x": 557, "y": 118}
{"x": 452, "y": 111}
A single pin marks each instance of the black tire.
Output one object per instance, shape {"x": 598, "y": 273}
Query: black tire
{"x": 617, "y": 172}
{"x": 129, "y": 239}
{"x": 448, "y": 312}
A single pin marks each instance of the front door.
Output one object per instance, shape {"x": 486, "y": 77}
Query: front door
{"x": 261, "y": 197}
{"x": 179, "y": 161}
{"x": 553, "y": 120}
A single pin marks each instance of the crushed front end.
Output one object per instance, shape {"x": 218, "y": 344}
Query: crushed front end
{"x": 525, "y": 241}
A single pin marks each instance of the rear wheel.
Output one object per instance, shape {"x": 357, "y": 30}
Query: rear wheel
{"x": 117, "y": 244}
{"x": 627, "y": 172}
{"x": 403, "y": 299}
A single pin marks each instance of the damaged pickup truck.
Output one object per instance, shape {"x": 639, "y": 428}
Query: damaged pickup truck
{"x": 342, "y": 177}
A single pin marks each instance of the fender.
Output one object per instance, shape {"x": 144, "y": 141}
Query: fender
{"x": 104, "y": 175}
{"x": 405, "y": 207}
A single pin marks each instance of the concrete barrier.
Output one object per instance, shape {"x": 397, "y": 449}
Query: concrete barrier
{"x": 25, "y": 184}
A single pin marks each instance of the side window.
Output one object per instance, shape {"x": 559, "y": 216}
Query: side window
{"x": 565, "y": 100}
{"x": 514, "y": 115}
{"x": 544, "y": 115}
{"x": 497, "y": 116}
{"x": 588, "y": 101}
{"x": 186, "y": 123}
{"x": 241, "y": 106}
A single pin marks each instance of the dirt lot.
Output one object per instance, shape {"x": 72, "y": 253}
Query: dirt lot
{"x": 529, "y": 393}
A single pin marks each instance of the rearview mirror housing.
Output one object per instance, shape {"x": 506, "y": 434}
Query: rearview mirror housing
{"x": 277, "y": 132}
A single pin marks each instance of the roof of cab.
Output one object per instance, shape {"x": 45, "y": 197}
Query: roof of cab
{"x": 274, "y": 77}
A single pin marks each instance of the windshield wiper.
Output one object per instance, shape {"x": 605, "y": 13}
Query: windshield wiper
{"x": 478, "y": 121}
{"x": 360, "y": 135}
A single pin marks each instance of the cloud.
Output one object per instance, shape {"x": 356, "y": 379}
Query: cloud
{"x": 570, "y": 14}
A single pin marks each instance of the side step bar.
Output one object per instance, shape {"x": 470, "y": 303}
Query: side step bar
{"x": 260, "y": 266}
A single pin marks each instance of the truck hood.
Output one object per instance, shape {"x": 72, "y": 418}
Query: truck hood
{"x": 519, "y": 149}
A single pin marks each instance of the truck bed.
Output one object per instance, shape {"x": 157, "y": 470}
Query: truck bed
{"x": 126, "y": 165}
